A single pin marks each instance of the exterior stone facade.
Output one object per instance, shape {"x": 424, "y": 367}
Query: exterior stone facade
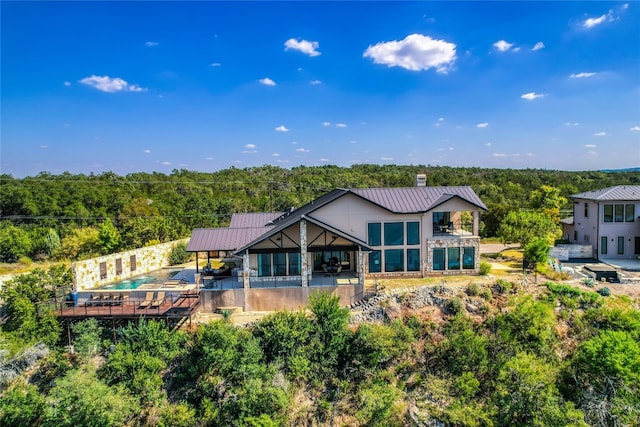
{"x": 473, "y": 242}
{"x": 95, "y": 272}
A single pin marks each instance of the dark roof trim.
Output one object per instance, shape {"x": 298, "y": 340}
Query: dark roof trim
{"x": 446, "y": 197}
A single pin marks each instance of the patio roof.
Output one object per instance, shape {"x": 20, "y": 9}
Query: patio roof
{"x": 223, "y": 239}
{"x": 257, "y": 219}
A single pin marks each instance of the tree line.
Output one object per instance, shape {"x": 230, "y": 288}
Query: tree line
{"x": 72, "y": 216}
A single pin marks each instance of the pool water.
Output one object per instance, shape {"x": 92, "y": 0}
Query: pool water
{"x": 159, "y": 277}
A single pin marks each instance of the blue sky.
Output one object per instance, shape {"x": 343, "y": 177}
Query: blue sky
{"x": 157, "y": 86}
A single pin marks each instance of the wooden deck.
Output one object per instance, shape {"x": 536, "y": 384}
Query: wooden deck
{"x": 182, "y": 306}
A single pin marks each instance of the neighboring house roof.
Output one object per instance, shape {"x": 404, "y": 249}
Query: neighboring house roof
{"x": 259, "y": 219}
{"x": 222, "y": 239}
{"x": 619, "y": 192}
{"x": 416, "y": 199}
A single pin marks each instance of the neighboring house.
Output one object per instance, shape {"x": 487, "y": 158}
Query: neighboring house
{"x": 349, "y": 234}
{"x": 608, "y": 220}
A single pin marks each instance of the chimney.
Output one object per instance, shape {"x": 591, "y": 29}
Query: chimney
{"x": 421, "y": 180}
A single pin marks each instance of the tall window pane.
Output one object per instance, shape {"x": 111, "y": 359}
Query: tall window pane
{"x": 618, "y": 213}
{"x": 453, "y": 258}
{"x": 468, "y": 258}
{"x": 393, "y": 233}
{"x": 629, "y": 213}
{"x": 608, "y": 213}
{"x": 603, "y": 245}
{"x": 280, "y": 264}
{"x": 393, "y": 260}
{"x": 413, "y": 233}
{"x": 375, "y": 234}
{"x": 375, "y": 262}
{"x": 438, "y": 259}
{"x": 620, "y": 245}
{"x": 413, "y": 259}
{"x": 294, "y": 264}
{"x": 264, "y": 264}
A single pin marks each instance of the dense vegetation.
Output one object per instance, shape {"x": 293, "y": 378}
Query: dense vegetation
{"x": 70, "y": 216}
{"x": 566, "y": 357}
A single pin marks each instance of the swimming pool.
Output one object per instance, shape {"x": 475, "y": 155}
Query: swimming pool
{"x": 159, "y": 276}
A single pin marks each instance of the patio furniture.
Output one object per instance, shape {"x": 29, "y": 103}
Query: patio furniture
{"x": 95, "y": 299}
{"x": 147, "y": 300}
{"x": 158, "y": 301}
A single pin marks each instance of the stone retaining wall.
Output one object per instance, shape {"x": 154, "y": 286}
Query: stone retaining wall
{"x": 95, "y": 272}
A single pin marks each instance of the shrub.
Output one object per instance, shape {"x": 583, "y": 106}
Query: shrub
{"x": 503, "y": 286}
{"x": 485, "y": 268}
{"x": 589, "y": 282}
{"x": 472, "y": 289}
{"x": 486, "y": 295}
{"x": 179, "y": 254}
{"x": 455, "y": 306}
{"x": 605, "y": 292}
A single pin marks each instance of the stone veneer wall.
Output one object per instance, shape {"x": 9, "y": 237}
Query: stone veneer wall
{"x": 453, "y": 243}
{"x": 86, "y": 274}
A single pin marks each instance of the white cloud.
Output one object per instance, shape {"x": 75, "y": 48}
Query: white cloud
{"x": 151, "y": 44}
{"x": 166, "y": 163}
{"x": 44, "y": 147}
{"x": 600, "y": 134}
{"x": 67, "y": 83}
{"x": 592, "y": 153}
{"x": 302, "y": 150}
{"x": 282, "y": 128}
{"x": 487, "y": 144}
{"x": 592, "y": 22}
{"x": 341, "y": 125}
{"x": 582, "y": 75}
{"x": 316, "y": 82}
{"x": 275, "y": 154}
{"x": 250, "y": 146}
{"x": 441, "y": 119}
{"x": 147, "y": 151}
{"x": 503, "y": 45}
{"x": 635, "y": 129}
{"x": 108, "y": 84}
{"x": 216, "y": 64}
{"x": 571, "y": 124}
{"x": 326, "y": 124}
{"x": 538, "y": 46}
{"x": 209, "y": 158}
{"x": 267, "y": 82}
{"x": 415, "y": 52}
{"x": 499, "y": 155}
{"x": 304, "y": 46}
{"x": 590, "y": 146}
{"x": 323, "y": 159}
{"x": 531, "y": 96}
{"x": 386, "y": 158}
{"x": 482, "y": 125}
{"x": 353, "y": 141}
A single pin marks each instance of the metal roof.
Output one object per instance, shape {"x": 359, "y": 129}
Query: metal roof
{"x": 416, "y": 199}
{"x": 258, "y": 219}
{"x": 223, "y": 239}
{"x": 619, "y": 192}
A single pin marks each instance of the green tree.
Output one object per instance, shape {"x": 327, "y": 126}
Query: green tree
{"x": 109, "y": 240}
{"x": 22, "y": 405}
{"x": 537, "y": 252}
{"x": 80, "y": 243}
{"x": 547, "y": 200}
{"x": 14, "y": 242}
{"x": 330, "y": 334}
{"x": 524, "y": 226}
{"x": 526, "y": 395}
{"x": 81, "y": 399}
{"x": 86, "y": 341}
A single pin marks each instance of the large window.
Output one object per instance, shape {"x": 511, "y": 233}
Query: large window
{"x": 375, "y": 264}
{"x": 603, "y": 245}
{"x": 438, "y": 259}
{"x": 413, "y": 259}
{"x": 453, "y": 258}
{"x": 393, "y": 233}
{"x": 393, "y": 260}
{"x": 279, "y": 264}
{"x": 413, "y": 233}
{"x": 264, "y": 264}
{"x": 294, "y": 264}
{"x": 620, "y": 245}
{"x": 468, "y": 258}
{"x": 619, "y": 213}
{"x": 375, "y": 234}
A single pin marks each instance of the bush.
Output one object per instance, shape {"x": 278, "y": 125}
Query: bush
{"x": 605, "y": 292}
{"x": 455, "y": 306}
{"x": 472, "y": 289}
{"x": 179, "y": 254}
{"x": 589, "y": 282}
{"x": 485, "y": 268}
{"x": 503, "y": 286}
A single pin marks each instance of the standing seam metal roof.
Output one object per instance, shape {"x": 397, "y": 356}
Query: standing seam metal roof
{"x": 619, "y": 192}
{"x": 416, "y": 199}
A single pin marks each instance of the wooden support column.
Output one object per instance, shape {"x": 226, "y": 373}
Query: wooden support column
{"x": 246, "y": 269}
{"x": 304, "y": 259}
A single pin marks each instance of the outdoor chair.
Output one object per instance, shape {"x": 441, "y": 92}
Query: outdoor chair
{"x": 158, "y": 301}
{"x": 94, "y": 299}
{"x": 147, "y": 300}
